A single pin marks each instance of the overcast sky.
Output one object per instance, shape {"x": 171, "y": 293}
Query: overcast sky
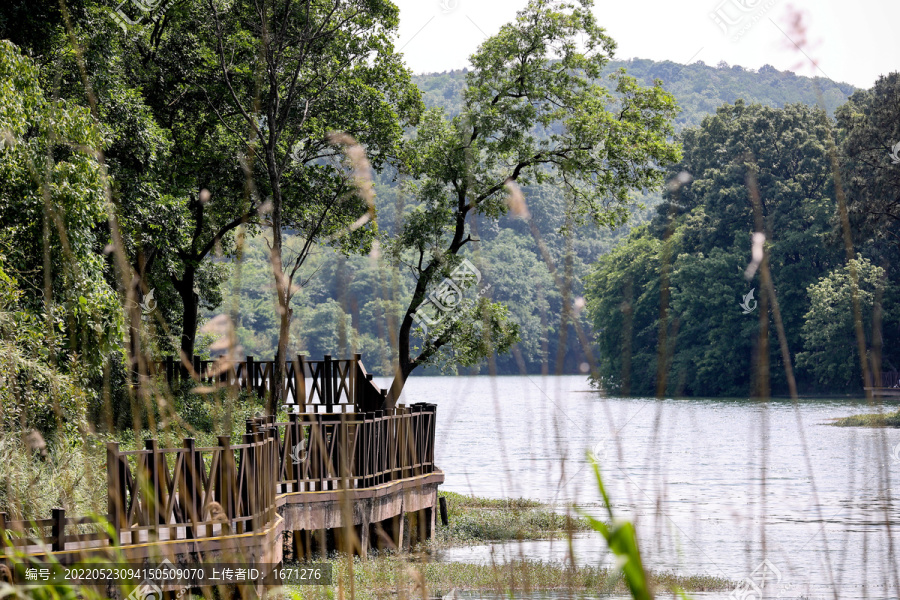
{"x": 852, "y": 42}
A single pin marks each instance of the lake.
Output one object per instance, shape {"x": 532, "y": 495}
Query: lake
{"x": 727, "y": 487}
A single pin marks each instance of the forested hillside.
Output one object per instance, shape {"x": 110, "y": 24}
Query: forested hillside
{"x": 829, "y": 318}
{"x": 699, "y": 88}
{"x": 352, "y": 303}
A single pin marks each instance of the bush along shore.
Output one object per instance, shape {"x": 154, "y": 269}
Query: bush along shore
{"x": 891, "y": 419}
{"x": 476, "y": 520}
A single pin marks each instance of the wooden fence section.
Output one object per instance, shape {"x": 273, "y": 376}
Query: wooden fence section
{"x": 335, "y": 385}
{"x": 164, "y": 494}
{"x": 890, "y": 379}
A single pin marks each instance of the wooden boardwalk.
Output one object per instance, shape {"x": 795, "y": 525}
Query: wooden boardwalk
{"x": 333, "y": 475}
{"x": 890, "y": 386}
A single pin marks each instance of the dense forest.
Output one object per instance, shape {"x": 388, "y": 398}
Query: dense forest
{"x": 824, "y": 197}
{"x": 505, "y": 218}
{"x": 343, "y": 306}
{"x": 168, "y": 190}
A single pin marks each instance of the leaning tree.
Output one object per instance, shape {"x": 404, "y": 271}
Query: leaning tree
{"x": 534, "y": 111}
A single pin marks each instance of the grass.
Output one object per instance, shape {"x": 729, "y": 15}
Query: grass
{"x": 478, "y": 520}
{"x": 390, "y": 575}
{"x": 870, "y": 420}
{"x": 68, "y": 476}
{"x": 72, "y": 475}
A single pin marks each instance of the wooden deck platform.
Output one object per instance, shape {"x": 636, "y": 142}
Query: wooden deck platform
{"x": 346, "y": 479}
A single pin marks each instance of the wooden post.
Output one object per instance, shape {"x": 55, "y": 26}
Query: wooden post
{"x": 250, "y": 484}
{"x": 189, "y": 496}
{"x": 356, "y": 383}
{"x": 197, "y": 369}
{"x": 328, "y": 383}
{"x": 432, "y": 431}
{"x": 426, "y": 524}
{"x": 153, "y": 507}
{"x": 378, "y": 435}
{"x": 296, "y": 437}
{"x": 225, "y": 485}
{"x": 301, "y": 384}
{"x": 270, "y": 436}
{"x": 58, "y": 529}
{"x": 250, "y": 375}
{"x": 262, "y": 476}
{"x": 270, "y": 391}
{"x": 445, "y": 521}
{"x": 115, "y": 493}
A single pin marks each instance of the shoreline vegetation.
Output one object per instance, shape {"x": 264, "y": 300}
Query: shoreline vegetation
{"x": 888, "y": 419}
{"x": 475, "y": 521}
{"x": 404, "y": 576}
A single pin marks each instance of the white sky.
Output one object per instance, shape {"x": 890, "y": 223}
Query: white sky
{"x": 852, "y": 42}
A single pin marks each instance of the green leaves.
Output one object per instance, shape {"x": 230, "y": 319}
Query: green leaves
{"x": 710, "y": 219}
{"x": 869, "y": 127}
{"x": 533, "y": 113}
{"x": 829, "y": 336}
{"x": 52, "y": 202}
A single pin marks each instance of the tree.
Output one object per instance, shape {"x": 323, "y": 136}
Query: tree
{"x": 829, "y": 338}
{"x": 710, "y": 338}
{"x": 623, "y": 304}
{"x": 164, "y": 147}
{"x": 181, "y": 193}
{"x": 533, "y": 113}
{"x": 59, "y": 316}
{"x": 52, "y": 203}
{"x": 869, "y": 133}
{"x": 288, "y": 74}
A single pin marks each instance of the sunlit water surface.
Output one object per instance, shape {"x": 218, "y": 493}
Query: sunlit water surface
{"x": 716, "y": 487}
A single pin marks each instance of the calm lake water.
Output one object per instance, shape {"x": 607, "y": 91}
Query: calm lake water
{"x": 715, "y": 487}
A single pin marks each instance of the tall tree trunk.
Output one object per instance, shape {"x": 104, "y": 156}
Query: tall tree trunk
{"x": 282, "y": 288}
{"x": 137, "y": 361}
{"x": 284, "y": 332}
{"x": 401, "y": 374}
{"x": 190, "y": 303}
{"x": 405, "y": 366}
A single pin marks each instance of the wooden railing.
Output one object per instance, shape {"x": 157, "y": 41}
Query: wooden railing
{"x": 326, "y": 385}
{"x": 159, "y": 494}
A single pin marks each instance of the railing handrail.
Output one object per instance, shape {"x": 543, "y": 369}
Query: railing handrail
{"x": 336, "y": 383}
{"x": 340, "y": 452}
